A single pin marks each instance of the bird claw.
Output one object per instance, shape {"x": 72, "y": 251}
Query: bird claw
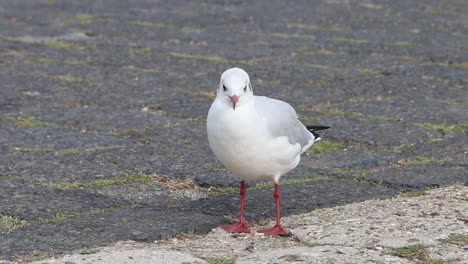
{"x": 276, "y": 230}
{"x": 236, "y": 228}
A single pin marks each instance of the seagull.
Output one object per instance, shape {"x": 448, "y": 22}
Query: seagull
{"x": 255, "y": 138}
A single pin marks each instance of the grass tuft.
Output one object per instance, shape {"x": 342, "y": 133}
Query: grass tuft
{"x": 385, "y": 118}
{"x": 351, "y": 40}
{"x": 410, "y": 252}
{"x": 288, "y": 36}
{"x": 218, "y": 190}
{"x": 68, "y": 152}
{"x": 320, "y": 84}
{"x": 165, "y": 26}
{"x": 450, "y": 102}
{"x": 418, "y": 160}
{"x": 64, "y": 45}
{"x": 444, "y": 128}
{"x": 144, "y": 52}
{"x": 32, "y": 121}
{"x": 370, "y": 71}
{"x": 83, "y": 18}
{"x": 461, "y": 64}
{"x": 324, "y": 146}
{"x": 460, "y": 240}
{"x": 41, "y": 60}
{"x": 267, "y": 82}
{"x": 62, "y": 217}
{"x": 134, "y": 68}
{"x": 89, "y": 251}
{"x": 403, "y": 44}
{"x": 139, "y": 177}
{"x": 198, "y": 119}
{"x": 289, "y": 181}
{"x": 213, "y": 58}
{"x": 402, "y": 146}
{"x": 42, "y": 150}
{"x": 8, "y": 223}
{"x": 207, "y": 94}
{"x": 413, "y": 193}
{"x": 220, "y": 261}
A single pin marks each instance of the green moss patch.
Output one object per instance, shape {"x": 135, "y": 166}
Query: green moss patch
{"x": 403, "y": 44}
{"x": 54, "y": 44}
{"x": 444, "y": 128}
{"x": 82, "y": 18}
{"x": 68, "y": 152}
{"x": 324, "y": 146}
{"x": 350, "y": 40}
{"x": 385, "y": 118}
{"x": 32, "y": 121}
{"x": 41, "y": 60}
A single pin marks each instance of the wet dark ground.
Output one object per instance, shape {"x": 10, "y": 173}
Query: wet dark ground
{"x": 103, "y": 106}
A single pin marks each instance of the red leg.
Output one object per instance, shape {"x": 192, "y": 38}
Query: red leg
{"x": 277, "y": 229}
{"x": 240, "y": 227}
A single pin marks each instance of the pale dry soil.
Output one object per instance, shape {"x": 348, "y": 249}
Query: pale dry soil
{"x": 373, "y": 231}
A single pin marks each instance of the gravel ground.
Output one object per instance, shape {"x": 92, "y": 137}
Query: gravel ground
{"x": 103, "y": 109}
{"x": 424, "y": 227}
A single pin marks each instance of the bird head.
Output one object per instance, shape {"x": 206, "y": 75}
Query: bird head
{"x": 234, "y": 87}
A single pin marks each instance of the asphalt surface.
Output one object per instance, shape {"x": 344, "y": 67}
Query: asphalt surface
{"x": 103, "y": 106}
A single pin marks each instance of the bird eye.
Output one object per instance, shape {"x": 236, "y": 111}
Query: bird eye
{"x": 224, "y": 88}
{"x": 245, "y": 89}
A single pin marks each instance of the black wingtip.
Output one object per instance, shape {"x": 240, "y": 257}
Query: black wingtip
{"x": 312, "y": 130}
{"x": 316, "y": 128}
{"x": 316, "y": 135}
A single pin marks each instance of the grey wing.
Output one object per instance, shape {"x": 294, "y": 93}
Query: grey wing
{"x": 281, "y": 120}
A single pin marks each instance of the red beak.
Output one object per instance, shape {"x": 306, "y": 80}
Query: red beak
{"x": 234, "y": 100}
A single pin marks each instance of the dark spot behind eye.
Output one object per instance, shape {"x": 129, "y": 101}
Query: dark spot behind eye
{"x": 245, "y": 88}
{"x": 224, "y": 88}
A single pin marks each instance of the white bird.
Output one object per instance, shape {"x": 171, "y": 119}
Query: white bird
{"x": 255, "y": 137}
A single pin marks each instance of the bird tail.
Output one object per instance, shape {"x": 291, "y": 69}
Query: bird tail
{"x": 314, "y": 129}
